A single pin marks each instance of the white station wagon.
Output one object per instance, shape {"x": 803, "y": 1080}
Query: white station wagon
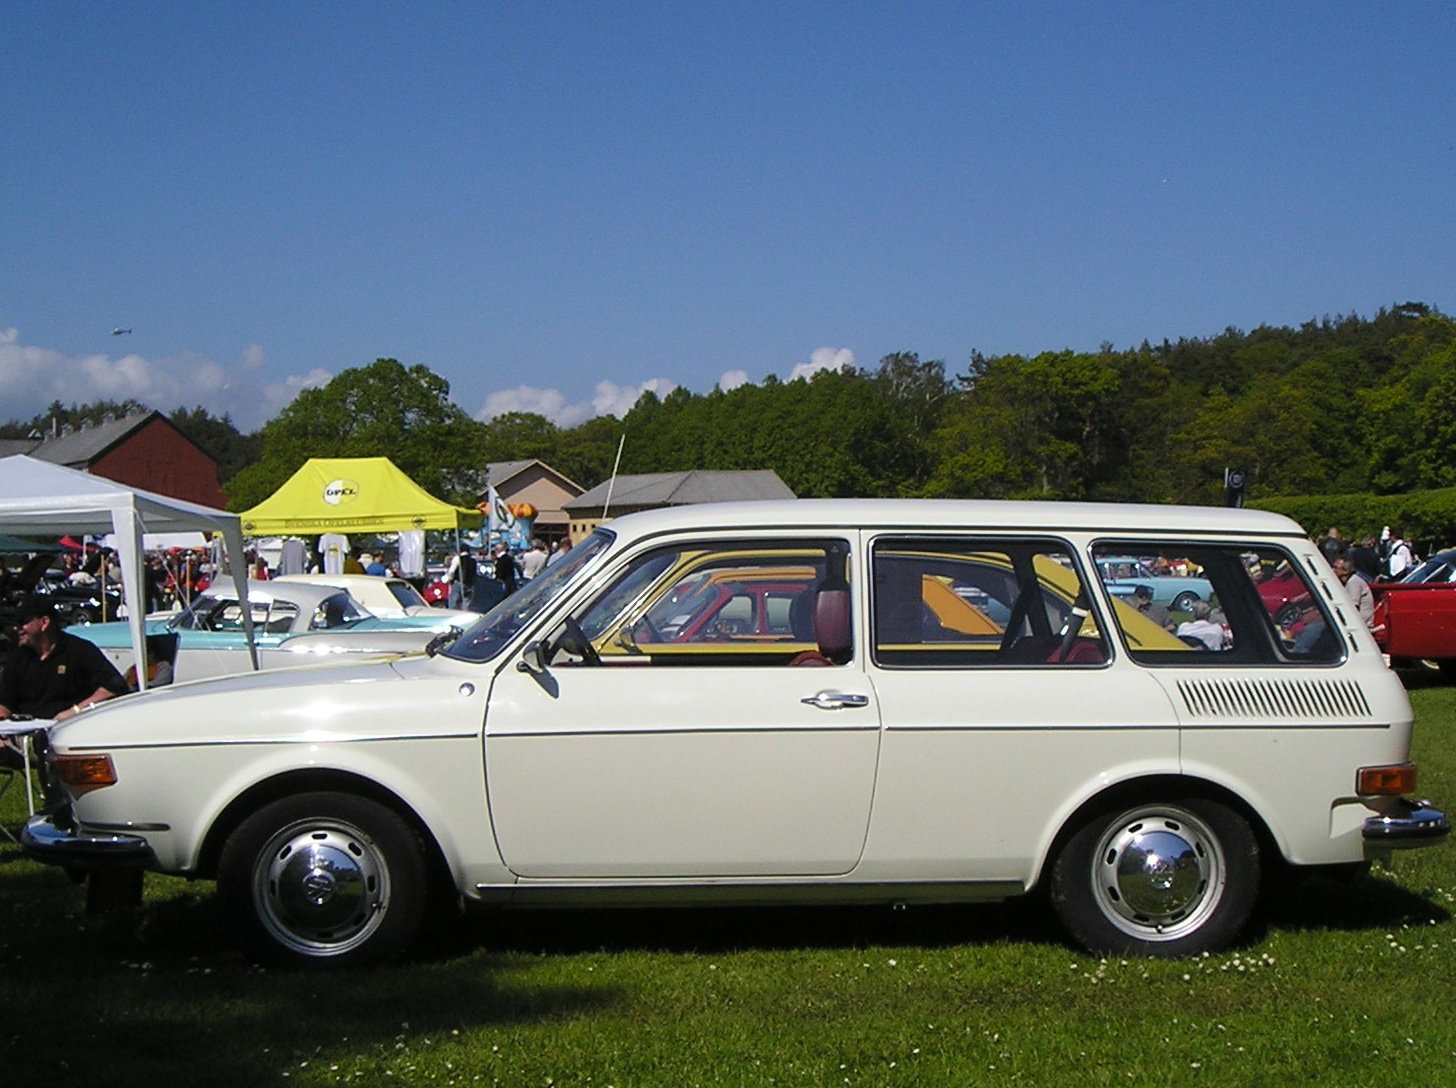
{"x": 802, "y": 701}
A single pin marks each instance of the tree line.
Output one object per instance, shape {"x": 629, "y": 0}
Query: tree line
{"x": 1348, "y": 405}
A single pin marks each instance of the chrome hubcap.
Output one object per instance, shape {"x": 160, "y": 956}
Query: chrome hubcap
{"x": 1158, "y": 873}
{"x": 321, "y": 889}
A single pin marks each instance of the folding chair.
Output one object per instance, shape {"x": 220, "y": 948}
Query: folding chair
{"x": 8, "y": 775}
{"x": 15, "y": 766}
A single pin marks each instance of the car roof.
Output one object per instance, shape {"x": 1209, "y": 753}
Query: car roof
{"x": 341, "y": 581}
{"x": 303, "y": 594}
{"x": 948, "y": 514}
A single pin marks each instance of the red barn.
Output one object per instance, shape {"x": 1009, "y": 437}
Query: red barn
{"x": 142, "y": 451}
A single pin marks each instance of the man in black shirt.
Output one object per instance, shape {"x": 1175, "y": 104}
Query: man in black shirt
{"x": 51, "y": 674}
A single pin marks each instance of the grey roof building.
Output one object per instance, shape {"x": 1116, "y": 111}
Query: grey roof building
{"x": 657, "y": 489}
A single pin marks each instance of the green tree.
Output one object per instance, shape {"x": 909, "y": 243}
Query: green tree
{"x": 1039, "y": 427}
{"x": 381, "y": 410}
{"x": 519, "y": 436}
{"x": 231, "y": 449}
{"x": 587, "y": 451}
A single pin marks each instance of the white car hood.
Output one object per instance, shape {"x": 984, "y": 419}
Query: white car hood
{"x": 325, "y": 703}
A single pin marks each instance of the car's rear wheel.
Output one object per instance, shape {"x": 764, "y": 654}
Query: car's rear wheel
{"x": 1158, "y": 879}
{"x": 1184, "y": 601}
{"x": 324, "y": 880}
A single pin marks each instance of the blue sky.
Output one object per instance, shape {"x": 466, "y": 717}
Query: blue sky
{"x": 555, "y": 205}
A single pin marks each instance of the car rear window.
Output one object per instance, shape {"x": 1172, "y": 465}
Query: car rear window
{"x": 1211, "y": 605}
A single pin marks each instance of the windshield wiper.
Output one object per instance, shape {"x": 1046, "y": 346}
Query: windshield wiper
{"x": 443, "y": 639}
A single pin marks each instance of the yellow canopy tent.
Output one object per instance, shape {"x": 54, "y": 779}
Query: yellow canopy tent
{"x": 352, "y": 495}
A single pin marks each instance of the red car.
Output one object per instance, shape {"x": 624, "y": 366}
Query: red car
{"x": 1415, "y": 618}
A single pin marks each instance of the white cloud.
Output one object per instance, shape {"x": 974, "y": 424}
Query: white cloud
{"x": 550, "y": 403}
{"x": 33, "y": 377}
{"x": 823, "y": 359}
{"x": 609, "y": 399}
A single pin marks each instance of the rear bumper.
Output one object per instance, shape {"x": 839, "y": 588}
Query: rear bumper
{"x": 45, "y": 839}
{"x": 1410, "y": 824}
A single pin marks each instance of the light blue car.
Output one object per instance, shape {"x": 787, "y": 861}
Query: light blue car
{"x": 293, "y": 623}
{"x": 1123, "y": 574}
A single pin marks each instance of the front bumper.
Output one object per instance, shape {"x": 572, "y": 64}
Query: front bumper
{"x": 1408, "y": 824}
{"x": 45, "y": 838}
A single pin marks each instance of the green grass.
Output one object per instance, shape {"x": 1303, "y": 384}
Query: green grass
{"x": 1342, "y": 985}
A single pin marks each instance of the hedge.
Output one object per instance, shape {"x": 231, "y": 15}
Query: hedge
{"x": 1426, "y": 518}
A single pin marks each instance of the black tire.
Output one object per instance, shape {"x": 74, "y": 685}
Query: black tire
{"x": 1158, "y": 878}
{"x": 356, "y": 897}
{"x": 1184, "y": 601}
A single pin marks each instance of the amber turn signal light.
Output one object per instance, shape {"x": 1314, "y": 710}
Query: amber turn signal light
{"x": 1386, "y": 781}
{"x": 83, "y": 773}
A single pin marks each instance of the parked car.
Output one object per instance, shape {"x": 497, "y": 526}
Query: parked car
{"x": 74, "y": 601}
{"x": 385, "y": 597}
{"x": 293, "y": 623}
{"x": 802, "y": 701}
{"x": 1122, "y": 574}
{"x": 1415, "y": 618}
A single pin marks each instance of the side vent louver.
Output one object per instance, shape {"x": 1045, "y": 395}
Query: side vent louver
{"x": 1267, "y": 699}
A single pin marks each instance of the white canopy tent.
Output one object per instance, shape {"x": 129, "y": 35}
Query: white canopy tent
{"x": 39, "y": 498}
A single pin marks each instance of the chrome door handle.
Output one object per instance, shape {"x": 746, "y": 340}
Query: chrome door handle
{"x": 834, "y": 700}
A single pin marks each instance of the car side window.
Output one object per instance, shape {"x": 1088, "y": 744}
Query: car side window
{"x": 1200, "y": 604}
{"x": 278, "y": 619}
{"x": 735, "y": 603}
{"x": 966, "y": 602}
{"x": 334, "y": 611}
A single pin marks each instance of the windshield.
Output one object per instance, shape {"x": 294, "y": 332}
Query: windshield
{"x": 485, "y": 638}
{"x": 406, "y": 595}
{"x": 1438, "y": 568}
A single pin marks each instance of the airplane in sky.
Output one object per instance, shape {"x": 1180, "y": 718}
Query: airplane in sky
{"x": 119, "y": 332}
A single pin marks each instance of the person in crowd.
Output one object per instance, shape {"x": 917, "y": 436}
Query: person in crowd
{"x": 1366, "y": 558}
{"x": 533, "y": 560}
{"x": 372, "y": 565}
{"x": 505, "y": 568}
{"x": 1355, "y": 586}
{"x": 1142, "y": 599}
{"x": 460, "y": 577}
{"x": 154, "y": 576}
{"x": 1203, "y": 628}
{"x": 1399, "y": 559}
{"x": 351, "y": 562}
{"x": 558, "y": 551}
{"x": 1333, "y": 546}
{"x": 50, "y": 674}
{"x": 159, "y": 668}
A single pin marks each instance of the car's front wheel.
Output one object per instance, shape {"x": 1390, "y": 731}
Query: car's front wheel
{"x": 1185, "y": 601}
{"x": 1158, "y": 879}
{"x": 324, "y": 880}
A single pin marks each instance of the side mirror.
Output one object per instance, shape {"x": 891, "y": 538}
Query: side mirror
{"x": 535, "y": 658}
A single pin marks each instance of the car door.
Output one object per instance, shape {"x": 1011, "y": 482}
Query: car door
{"x": 644, "y": 740}
{"x": 1001, "y": 702}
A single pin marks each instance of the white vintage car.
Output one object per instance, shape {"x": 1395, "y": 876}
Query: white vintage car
{"x": 803, "y": 701}
{"x": 386, "y": 597}
{"x": 294, "y": 622}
